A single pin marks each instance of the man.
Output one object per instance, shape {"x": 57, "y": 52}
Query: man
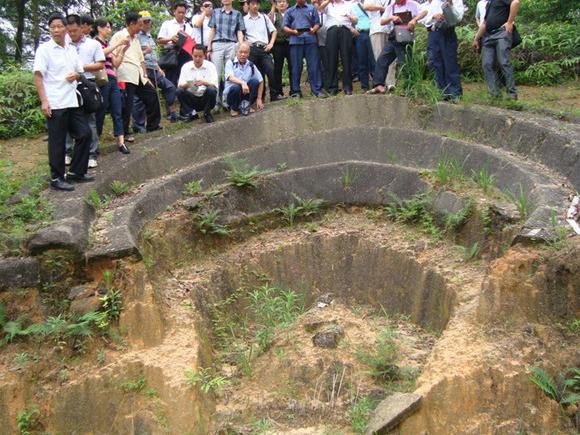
{"x": 198, "y": 86}
{"x": 495, "y": 37}
{"x": 322, "y": 51}
{"x": 281, "y": 49}
{"x": 226, "y": 29}
{"x": 301, "y": 23}
{"x": 171, "y": 36}
{"x": 87, "y": 24}
{"x": 93, "y": 59}
{"x": 442, "y": 47}
{"x": 401, "y": 13}
{"x": 261, "y": 34}
{"x": 56, "y": 68}
{"x": 154, "y": 74}
{"x": 244, "y": 83}
{"x": 480, "y": 12}
{"x": 339, "y": 41}
{"x": 200, "y": 23}
{"x": 133, "y": 72}
{"x": 362, "y": 43}
{"x": 379, "y": 35}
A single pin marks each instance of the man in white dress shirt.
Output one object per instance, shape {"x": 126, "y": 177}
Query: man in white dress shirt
{"x": 198, "y": 86}
{"x": 57, "y": 66}
{"x": 171, "y": 35}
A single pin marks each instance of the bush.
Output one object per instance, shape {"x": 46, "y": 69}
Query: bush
{"x": 20, "y": 112}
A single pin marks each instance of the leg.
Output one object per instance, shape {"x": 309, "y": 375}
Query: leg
{"x": 148, "y": 95}
{"x": 186, "y": 101}
{"x": 92, "y": 121}
{"x": 138, "y": 114}
{"x": 489, "y": 71}
{"x": 105, "y": 93}
{"x": 296, "y": 56}
{"x": 210, "y": 99}
{"x": 346, "y": 55}
{"x": 452, "y": 70}
{"x": 503, "y": 48}
{"x": 435, "y": 59}
{"x": 252, "y": 96}
{"x": 130, "y": 90}
{"x": 80, "y": 130}
{"x": 289, "y": 62}
{"x": 116, "y": 109}
{"x": 57, "y": 126}
{"x": 363, "y": 61}
{"x": 313, "y": 65}
{"x": 387, "y": 56}
{"x": 323, "y": 54}
{"x": 332, "y": 47}
{"x": 234, "y": 97}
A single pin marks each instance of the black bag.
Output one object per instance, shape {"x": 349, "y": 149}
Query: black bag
{"x": 516, "y": 38}
{"x": 168, "y": 58}
{"x": 89, "y": 95}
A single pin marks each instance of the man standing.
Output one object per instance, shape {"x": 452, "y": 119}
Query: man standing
{"x": 362, "y": 44}
{"x": 339, "y": 41}
{"x": 261, "y": 34}
{"x": 56, "y": 69}
{"x": 301, "y": 23}
{"x": 200, "y": 23}
{"x": 93, "y": 59}
{"x": 379, "y": 35}
{"x": 281, "y": 50}
{"x": 171, "y": 36}
{"x": 132, "y": 71}
{"x": 495, "y": 37}
{"x": 154, "y": 74}
{"x": 198, "y": 86}
{"x": 226, "y": 28}
{"x": 244, "y": 83}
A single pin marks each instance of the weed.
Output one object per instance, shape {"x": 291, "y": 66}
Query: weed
{"x": 373, "y": 214}
{"x": 207, "y": 223}
{"x": 96, "y": 201}
{"x": 27, "y": 419}
{"x": 112, "y": 304}
{"x": 448, "y": 169}
{"x": 134, "y": 385}
{"x": 206, "y": 379}
{"x": 20, "y": 359}
{"x": 559, "y": 233}
{"x": 308, "y": 207}
{"x": 193, "y": 187}
{"x": 573, "y": 326}
{"x": 101, "y": 357}
{"x": 455, "y": 220}
{"x": 289, "y": 213}
{"x": 281, "y": 167}
{"x": 382, "y": 360}
{"x": 262, "y": 426}
{"x": 211, "y": 193}
{"x": 484, "y": 179}
{"x": 360, "y": 413}
{"x": 414, "y": 211}
{"x": 348, "y": 178}
{"x": 473, "y": 252}
{"x": 119, "y": 188}
{"x": 565, "y": 390}
{"x": 392, "y": 156}
{"x": 293, "y": 102}
{"x": 311, "y": 227}
{"x": 521, "y": 201}
{"x": 242, "y": 174}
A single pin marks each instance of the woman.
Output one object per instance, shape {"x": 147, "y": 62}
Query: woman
{"x": 111, "y": 92}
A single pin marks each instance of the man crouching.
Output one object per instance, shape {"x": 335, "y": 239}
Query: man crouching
{"x": 57, "y": 67}
{"x": 244, "y": 83}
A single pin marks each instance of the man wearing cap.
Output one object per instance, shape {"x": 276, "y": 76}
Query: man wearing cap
{"x": 301, "y": 23}
{"x": 226, "y": 29}
{"x": 198, "y": 85}
{"x": 154, "y": 73}
{"x": 261, "y": 34}
{"x": 171, "y": 36}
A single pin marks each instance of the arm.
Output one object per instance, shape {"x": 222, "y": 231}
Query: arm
{"x": 370, "y": 7}
{"x": 514, "y": 8}
{"x": 477, "y": 39}
{"x": 198, "y": 20}
{"x": 240, "y": 36}
{"x": 210, "y": 36}
{"x": 44, "y": 105}
{"x": 259, "y": 102}
{"x": 272, "y": 13}
{"x": 322, "y": 6}
{"x": 94, "y": 66}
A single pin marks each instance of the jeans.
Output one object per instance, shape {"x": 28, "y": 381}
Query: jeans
{"x": 265, "y": 64}
{"x": 113, "y": 104}
{"x": 495, "y": 49}
{"x": 74, "y": 122}
{"x": 366, "y": 59}
{"x": 281, "y": 52}
{"x": 323, "y": 53}
{"x": 391, "y": 52}
{"x": 235, "y": 96}
{"x": 189, "y": 102}
{"x": 442, "y": 59}
{"x": 297, "y": 53}
{"x": 339, "y": 41}
{"x": 378, "y": 42}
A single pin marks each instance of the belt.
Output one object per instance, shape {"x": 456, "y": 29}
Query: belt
{"x": 499, "y": 29}
{"x": 222, "y": 40}
{"x": 362, "y": 31}
{"x": 259, "y": 45}
{"x": 339, "y": 26}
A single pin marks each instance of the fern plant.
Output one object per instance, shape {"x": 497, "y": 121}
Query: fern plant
{"x": 565, "y": 390}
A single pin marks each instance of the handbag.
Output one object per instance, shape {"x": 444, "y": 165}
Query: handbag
{"x": 452, "y": 16}
{"x": 403, "y": 35}
{"x": 101, "y": 78}
{"x": 88, "y": 95}
{"x": 516, "y": 38}
{"x": 168, "y": 58}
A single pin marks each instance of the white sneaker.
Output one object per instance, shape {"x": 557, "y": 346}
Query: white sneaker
{"x": 92, "y": 163}
{"x": 67, "y": 160}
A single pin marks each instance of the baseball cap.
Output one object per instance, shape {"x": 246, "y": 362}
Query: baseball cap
{"x": 146, "y": 15}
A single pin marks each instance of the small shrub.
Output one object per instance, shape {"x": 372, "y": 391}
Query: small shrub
{"x": 473, "y": 252}
{"x": 207, "y": 223}
{"x": 521, "y": 201}
{"x": 242, "y": 174}
{"x": 360, "y": 412}
{"x": 565, "y": 390}
{"x": 484, "y": 179}
{"x": 414, "y": 211}
{"x": 289, "y": 213}
{"x": 119, "y": 188}
{"x": 112, "y": 304}
{"x": 193, "y": 187}
{"x": 348, "y": 178}
{"x": 206, "y": 379}
{"x": 455, "y": 220}
{"x": 382, "y": 359}
{"x": 96, "y": 201}
{"x": 308, "y": 207}
{"x": 134, "y": 385}
{"x": 27, "y": 419}
{"x": 449, "y": 169}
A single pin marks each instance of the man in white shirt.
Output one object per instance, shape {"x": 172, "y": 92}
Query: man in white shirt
{"x": 198, "y": 86}
{"x": 93, "y": 59}
{"x": 56, "y": 68}
{"x": 339, "y": 36}
{"x": 261, "y": 34}
{"x": 200, "y": 23}
{"x": 171, "y": 35}
{"x": 379, "y": 35}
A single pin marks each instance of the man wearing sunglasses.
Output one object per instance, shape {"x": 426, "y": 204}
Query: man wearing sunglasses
{"x": 200, "y": 23}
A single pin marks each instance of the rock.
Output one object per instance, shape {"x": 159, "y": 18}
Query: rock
{"x": 392, "y": 411}
{"x": 19, "y": 272}
{"x": 325, "y": 298}
{"x": 19, "y": 196}
{"x": 528, "y": 329}
{"x": 80, "y": 292}
{"x": 504, "y": 213}
{"x": 192, "y": 204}
{"x": 446, "y": 203}
{"x": 85, "y": 305}
{"x": 328, "y": 338}
{"x": 315, "y": 324}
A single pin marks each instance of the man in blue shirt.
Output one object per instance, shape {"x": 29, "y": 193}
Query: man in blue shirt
{"x": 362, "y": 43}
{"x": 301, "y": 24}
{"x": 244, "y": 83}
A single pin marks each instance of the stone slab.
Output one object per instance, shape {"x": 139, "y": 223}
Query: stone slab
{"x": 391, "y": 412}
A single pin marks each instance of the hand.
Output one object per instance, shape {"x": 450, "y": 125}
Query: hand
{"x": 312, "y": 31}
{"x": 161, "y": 72}
{"x": 259, "y": 104}
{"x": 438, "y": 17}
{"x": 45, "y": 107}
{"x": 175, "y": 38}
{"x": 355, "y": 32}
{"x": 509, "y": 27}
{"x": 411, "y": 25}
{"x": 268, "y": 47}
{"x": 396, "y": 19}
{"x": 147, "y": 50}
{"x": 199, "y": 83}
{"x": 475, "y": 44}
{"x": 296, "y": 32}
{"x": 245, "y": 88}
{"x": 208, "y": 54}
{"x": 71, "y": 77}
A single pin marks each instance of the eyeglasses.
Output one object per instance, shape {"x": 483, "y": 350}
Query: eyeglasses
{"x": 208, "y": 6}
{"x": 57, "y": 27}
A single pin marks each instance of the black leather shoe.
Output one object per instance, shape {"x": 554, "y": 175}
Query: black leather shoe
{"x": 123, "y": 149}
{"x": 80, "y": 178}
{"x": 208, "y": 118}
{"x": 60, "y": 184}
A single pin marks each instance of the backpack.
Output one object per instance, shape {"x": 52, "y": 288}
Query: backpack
{"x": 88, "y": 95}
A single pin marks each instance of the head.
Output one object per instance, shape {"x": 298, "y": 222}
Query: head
{"x": 178, "y": 11}
{"x": 253, "y": 6}
{"x": 245, "y": 6}
{"x": 103, "y": 28}
{"x": 133, "y": 22}
{"x": 207, "y": 8}
{"x": 227, "y": 3}
{"x": 87, "y": 24}
{"x": 73, "y": 27}
{"x": 147, "y": 20}
{"x": 57, "y": 27}
{"x": 198, "y": 55}
{"x": 243, "y": 52}
{"x": 300, "y": 2}
{"x": 282, "y": 5}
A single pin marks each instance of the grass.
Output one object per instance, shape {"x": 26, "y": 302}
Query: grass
{"x": 484, "y": 179}
{"x": 455, "y": 220}
{"x": 300, "y": 207}
{"x": 119, "y": 188}
{"x": 206, "y": 379}
{"x": 241, "y": 174}
{"x": 360, "y": 412}
{"x": 27, "y": 419}
{"x": 97, "y": 201}
{"x": 414, "y": 211}
{"x": 449, "y": 169}
{"x": 193, "y": 187}
{"x": 134, "y": 385}
{"x": 521, "y": 200}
{"x": 473, "y": 252}
{"x": 207, "y": 223}
{"x": 348, "y": 178}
